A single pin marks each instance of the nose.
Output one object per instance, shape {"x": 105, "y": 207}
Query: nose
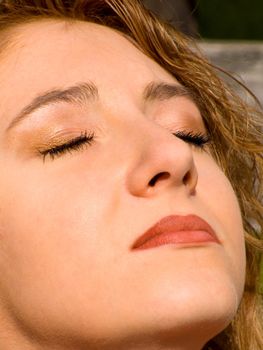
{"x": 163, "y": 161}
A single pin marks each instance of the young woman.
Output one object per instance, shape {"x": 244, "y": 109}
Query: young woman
{"x": 130, "y": 186}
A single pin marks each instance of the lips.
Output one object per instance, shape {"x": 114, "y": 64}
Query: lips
{"x": 175, "y": 229}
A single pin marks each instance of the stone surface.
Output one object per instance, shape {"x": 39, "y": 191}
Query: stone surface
{"x": 244, "y": 60}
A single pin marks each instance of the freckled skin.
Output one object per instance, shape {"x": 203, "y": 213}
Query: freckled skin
{"x": 68, "y": 277}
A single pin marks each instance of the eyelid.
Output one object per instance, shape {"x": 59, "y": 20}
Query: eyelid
{"x": 67, "y": 146}
{"x": 57, "y": 149}
{"x": 198, "y": 139}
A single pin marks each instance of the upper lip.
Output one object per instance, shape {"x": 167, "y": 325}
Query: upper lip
{"x": 175, "y": 223}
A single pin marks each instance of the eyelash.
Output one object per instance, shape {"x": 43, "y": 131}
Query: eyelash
{"x": 80, "y": 142}
{"x": 198, "y": 140}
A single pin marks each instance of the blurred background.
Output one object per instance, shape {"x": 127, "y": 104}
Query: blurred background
{"x": 230, "y": 33}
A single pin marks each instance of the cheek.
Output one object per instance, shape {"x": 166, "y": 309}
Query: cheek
{"x": 56, "y": 225}
{"x": 56, "y": 242}
{"x": 60, "y": 212}
{"x": 216, "y": 191}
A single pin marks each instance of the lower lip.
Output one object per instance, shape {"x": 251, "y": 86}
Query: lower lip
{"x": 181, "y": 237}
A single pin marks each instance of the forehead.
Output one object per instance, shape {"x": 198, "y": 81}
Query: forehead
{"x": 52, "y": 54}
{"x": 56, "y": 46}
{"x": 60, "y": 50}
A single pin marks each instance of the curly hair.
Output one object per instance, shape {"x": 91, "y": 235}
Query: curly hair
{"x": 234, "y": 126}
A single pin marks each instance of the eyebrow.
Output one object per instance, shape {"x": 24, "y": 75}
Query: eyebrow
{"x": 77, "y": 94}
{"x": 81, "y": 93}
{"x": 164, "y": 91}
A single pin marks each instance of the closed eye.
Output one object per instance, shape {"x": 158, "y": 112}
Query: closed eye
{"x": 78, "y": 143}
{"x": 75, "y": 144}
{"x": 197, "y": 139}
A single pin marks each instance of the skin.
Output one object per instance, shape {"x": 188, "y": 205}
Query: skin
{"x": 69, "y": 279}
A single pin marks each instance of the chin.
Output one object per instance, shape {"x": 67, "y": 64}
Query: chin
{"x": 202, "y": 304}
{"x": 170, "y": 316}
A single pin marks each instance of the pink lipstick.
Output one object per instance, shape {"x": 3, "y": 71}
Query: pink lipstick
{"x": 176, "y": 229}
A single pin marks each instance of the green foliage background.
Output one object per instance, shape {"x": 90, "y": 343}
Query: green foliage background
{"x": 230, "y": 19}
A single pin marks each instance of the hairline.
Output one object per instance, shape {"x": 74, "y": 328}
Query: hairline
{"x": 9, "y": 36}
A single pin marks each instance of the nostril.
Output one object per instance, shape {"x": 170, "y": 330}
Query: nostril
{"x": 158, "y": 177}
{"x": 186, "y": 178}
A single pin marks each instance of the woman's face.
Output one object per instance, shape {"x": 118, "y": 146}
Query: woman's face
{"x": 69, "y": 215}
